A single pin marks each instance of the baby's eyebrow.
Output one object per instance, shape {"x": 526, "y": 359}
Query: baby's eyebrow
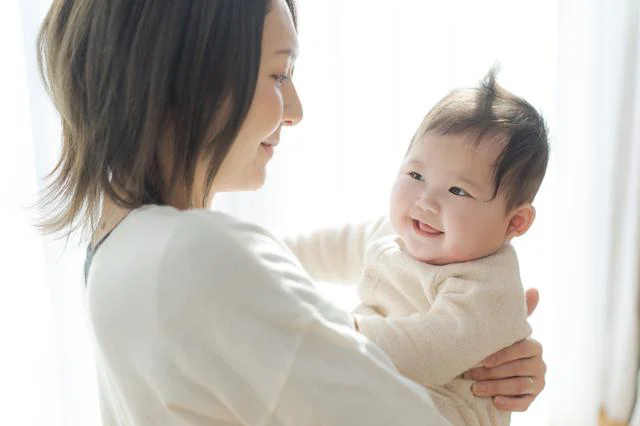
{"x": 414, "y": 163}
{"x": 467, "y": 180}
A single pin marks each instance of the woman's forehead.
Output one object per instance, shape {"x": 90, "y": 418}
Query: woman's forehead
{"x": 280, "y": 36}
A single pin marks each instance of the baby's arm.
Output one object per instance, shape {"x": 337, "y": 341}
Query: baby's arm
{"x": 467, "y": 322}
{"x": 335, "y": 254}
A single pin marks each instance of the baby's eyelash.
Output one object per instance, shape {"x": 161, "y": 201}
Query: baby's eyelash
{"x": 457, "y": 191}
{"x": 416, "y": 176}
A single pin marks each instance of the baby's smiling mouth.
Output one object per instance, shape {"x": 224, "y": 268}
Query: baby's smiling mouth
{"x": 425, "y": 229}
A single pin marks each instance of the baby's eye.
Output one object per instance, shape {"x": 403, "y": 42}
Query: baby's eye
{"x": 416, "y": 176}
{"x": 458, "y": 191}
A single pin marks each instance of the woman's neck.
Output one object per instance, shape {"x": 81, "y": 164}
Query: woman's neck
{"x": 111, "y": 215}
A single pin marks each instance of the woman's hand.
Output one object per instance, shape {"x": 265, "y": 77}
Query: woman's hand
{"x": 514, "y": 376}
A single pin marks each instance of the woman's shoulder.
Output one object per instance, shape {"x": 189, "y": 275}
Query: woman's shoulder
{"x": 154, "y": 215}
{"x": 214, "y": 262}
{"x": 187, "y": 265}
{"x": 170, "y": 248}
{"x": 212, "y": 252}
{"x": 186, "y": 229}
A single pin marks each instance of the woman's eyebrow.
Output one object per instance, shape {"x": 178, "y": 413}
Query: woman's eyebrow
{"x": 292, "y": 52}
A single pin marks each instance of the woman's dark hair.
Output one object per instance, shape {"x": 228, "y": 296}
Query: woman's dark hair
{"x": 130, "y": 78}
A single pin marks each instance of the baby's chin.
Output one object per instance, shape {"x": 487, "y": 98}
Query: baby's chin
{"x": 438, "y": 260}
{"x": 439, "y": 257}
{"x": 427, "y": 256}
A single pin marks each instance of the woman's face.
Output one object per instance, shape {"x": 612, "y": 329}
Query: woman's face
{"x": 275, "y": 104}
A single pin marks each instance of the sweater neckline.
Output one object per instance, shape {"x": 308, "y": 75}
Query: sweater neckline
{"x": 91, "y": 251}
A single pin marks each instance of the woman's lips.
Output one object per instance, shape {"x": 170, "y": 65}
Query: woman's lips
{"x": 268, "y": 148}
{"x": 424, "y": 229}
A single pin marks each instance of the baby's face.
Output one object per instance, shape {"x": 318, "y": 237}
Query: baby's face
{"x": 440, "y": 204}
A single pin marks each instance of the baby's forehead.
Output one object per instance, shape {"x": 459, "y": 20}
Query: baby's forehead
{"x": 458, "y": 148}
{"x": 457, "y": 157}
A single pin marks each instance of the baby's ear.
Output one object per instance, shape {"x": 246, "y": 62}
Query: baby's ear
{"x": 521, "y": 220}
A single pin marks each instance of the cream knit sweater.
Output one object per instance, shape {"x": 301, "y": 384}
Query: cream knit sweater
{"x": 434, "y": 322}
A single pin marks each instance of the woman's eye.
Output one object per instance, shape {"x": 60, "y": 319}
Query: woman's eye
{"x": 280, "y": 79}
{"x": 416, "y": 176}
{"x": 458, "y": 191}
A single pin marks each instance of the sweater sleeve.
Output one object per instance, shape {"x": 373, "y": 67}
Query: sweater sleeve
{"x": 336, "y": 253}
{"x": 240, "y": 323}
{"x": 467, "y": 322}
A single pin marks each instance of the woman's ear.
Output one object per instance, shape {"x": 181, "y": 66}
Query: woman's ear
{"x": 521, "y": 220}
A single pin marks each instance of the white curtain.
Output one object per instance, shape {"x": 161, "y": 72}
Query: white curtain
{"x": 29, "y": 393}
{"x": 368, "y": 71}
{"x": 594, "y": 356}
{"x": 47, "y": 375}
{"x": 617, "y": 64}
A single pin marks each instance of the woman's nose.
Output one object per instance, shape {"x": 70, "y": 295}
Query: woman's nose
{"x": 292, "y": 113}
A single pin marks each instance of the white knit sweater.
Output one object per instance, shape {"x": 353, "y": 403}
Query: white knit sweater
{"x": 434, "y": 322}
{"x": 200, "y": 319}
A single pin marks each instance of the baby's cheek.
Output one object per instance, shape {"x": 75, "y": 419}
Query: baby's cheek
{"x": 398, "y": 209}
{"x": 460, "y": 245}
{"x": 456, "y": 253}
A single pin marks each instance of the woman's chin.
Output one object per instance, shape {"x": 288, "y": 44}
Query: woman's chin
{"x": 255, "y": 182}
{"x": 249, "y": 183}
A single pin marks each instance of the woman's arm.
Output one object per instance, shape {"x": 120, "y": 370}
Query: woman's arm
{"x": 244, "y": 326}
{"x": 514, "y": 376}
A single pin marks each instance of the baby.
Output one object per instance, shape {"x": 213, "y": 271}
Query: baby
{"x": 439, "y": 283}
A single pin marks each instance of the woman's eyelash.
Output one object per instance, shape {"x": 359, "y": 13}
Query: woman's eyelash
{"x": 280, "y": 78}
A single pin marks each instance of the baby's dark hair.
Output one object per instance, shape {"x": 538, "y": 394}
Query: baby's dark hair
{"x": 489, "y": 110}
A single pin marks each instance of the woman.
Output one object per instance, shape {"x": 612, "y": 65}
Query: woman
{"x": 199, "y": 318}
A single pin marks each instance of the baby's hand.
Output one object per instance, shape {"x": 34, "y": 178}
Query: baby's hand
{"x": 514, "y": 376}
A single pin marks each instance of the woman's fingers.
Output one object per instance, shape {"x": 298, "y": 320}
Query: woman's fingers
{"x": 527, "y": 348}
{"x": 532, "y": 296}
{"x": 518, "y": 403}
{"x": 529, "y": 367}
{"x": 515, "y": 386}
